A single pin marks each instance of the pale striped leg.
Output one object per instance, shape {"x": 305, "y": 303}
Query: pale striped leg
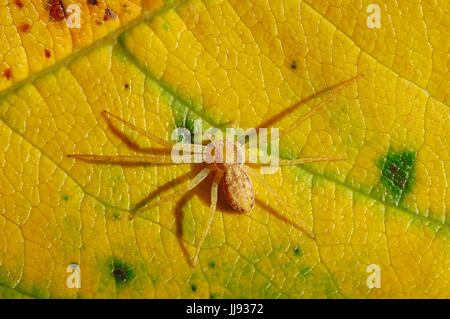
{"x": 309, "y": 160}
{"x": 321, "y": 105}
{"x": 160, "y": 141}
{"x": 142, "y": 132}
{"x": 304, "y": 160}
{"x": 316, "y": 108}
{"x": 214, "y": 195}
{"x": 300, "y": 224}
{"x": 192, "y": 184}
{"x": 124, "y": 159}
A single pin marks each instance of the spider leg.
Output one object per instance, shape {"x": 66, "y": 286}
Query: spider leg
{"x": 316, "y": 108}
{"x": 138, "y": 129}
{"x": 160, "y": 141}
{"x": 214, "y": 195}
{"x": 320, "y": 105}
{"x": 300, "y": 224}
{"x": 192, "y": 184}
{"x": 124, "y": 159}
{"x": 304, "y": 160}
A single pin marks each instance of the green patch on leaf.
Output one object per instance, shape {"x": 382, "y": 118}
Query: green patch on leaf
{"x": 397, "y": 175}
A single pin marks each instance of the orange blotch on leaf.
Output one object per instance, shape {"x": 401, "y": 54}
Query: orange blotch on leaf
{"x": 24, "y": 28}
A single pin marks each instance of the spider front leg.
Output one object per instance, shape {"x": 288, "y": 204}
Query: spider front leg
{"x": 303, "y": 160}
{"x": 141, "y": 132}
{"x": 318, "y": 107}
{"x": 167, "y": 145}
{"x": 124, "y": 159}
{"x": 131, "y": 159}
{"x": 214, "y": 195}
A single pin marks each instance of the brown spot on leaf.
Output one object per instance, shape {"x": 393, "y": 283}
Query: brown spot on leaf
{"x": 109, "y": 14}
{"x": 294, "y": 65}
{"x": 56, "y": 10}
{"x": 119, "y": 274}
{"x": 24, "y": 28}
{"x": 7, "y": 74}
{"x": 393, "y": 169}
{"x": 92, "y": 2}
{"x": 122, "y": 272}
{"x": 19, "y": 4}
{"x": 126, "y": 86}
{"x": 47, "y": 52}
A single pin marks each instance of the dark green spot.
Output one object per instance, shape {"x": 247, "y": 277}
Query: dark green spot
{"x": 212, "y": 296}
{"x": 65, "y": 198}
{"x": 212, "y": 264}
{"x": 297, "y": 251}
{"x": 194, "y": 287}
{"x": 122, "y": 272}
{"x": 397, "y": 174}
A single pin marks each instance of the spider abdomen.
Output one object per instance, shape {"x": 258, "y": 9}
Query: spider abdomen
{"x": 238, "y": 189}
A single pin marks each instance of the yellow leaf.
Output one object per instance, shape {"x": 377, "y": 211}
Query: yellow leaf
{"x": 162, "y": 66}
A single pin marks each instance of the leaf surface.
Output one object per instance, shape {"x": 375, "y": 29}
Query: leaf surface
{"x": 162, "y": 66}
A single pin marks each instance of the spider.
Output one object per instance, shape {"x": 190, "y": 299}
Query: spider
{"x": 234, "y": 176}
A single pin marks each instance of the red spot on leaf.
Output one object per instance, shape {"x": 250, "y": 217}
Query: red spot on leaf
{"x": 24, "y": 28}
{"x": 393, "y": 169}
{"x": 109, "y": 14}
{"x": 56, "y": 10}
{"x": 7, "y": 74}
{"x": 47, "y": 52}
{"x": 19, "y": 4}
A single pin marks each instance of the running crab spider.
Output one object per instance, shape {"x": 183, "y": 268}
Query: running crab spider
{"x": 234, "y": 177}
